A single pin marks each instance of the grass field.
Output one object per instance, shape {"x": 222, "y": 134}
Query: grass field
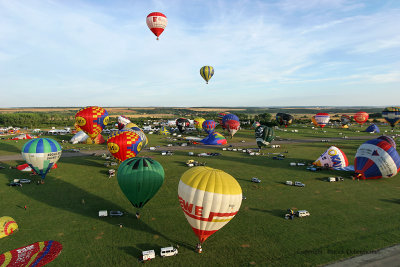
{"x": 347, "y": 218}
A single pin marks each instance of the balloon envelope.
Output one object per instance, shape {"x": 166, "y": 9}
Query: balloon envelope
{"x": 41, "y": 154}
{"x": 284, "y": 119}
{"x": 165, "y": 131}
{"x": 264, "y": 135}
{"x": 124, "y": 145}
{"x": 375, "y": 159}
{"x": 345, "y": 119}
{"x": 209, "y": 126}
{"x": 388, "y": 139}
{"x": 140, "y": 179}
{"x": 361, "y": 117}
{"x": 214, "y": 138}
{"x": 209, "y": 198}
{"x": 7, "y": 226}
{"x": 156, "y": 21}
{"x": 92, "y": 120}
{"x": 122, "y": 121}
{"x": 207, "y": 72}
{"x": 182, "y": 123}
{"x": 391, "y": 115}
{"x": 372, "y": 129}
{"x": 333, "y": 157}
{"x": 322, "y": 119}
{"x": 198, "y": 123}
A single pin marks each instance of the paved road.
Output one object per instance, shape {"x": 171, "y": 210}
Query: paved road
{"x": 253, "y": 144}
{"x": 385, "y": 257}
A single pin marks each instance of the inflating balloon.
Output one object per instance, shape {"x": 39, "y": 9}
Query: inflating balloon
{"x": 92, "y": 120}
{"x": 375, "y": 159}
{"x": 264, "y": 135}
{"x": 214, "y": 138}
{"x": 388, "y": 139}
{"x": 122, "y": 121}
{"x": 182, "y": 123}
{"x": 165, "y": 131}
{"x": 156, "y": 22}
{"x": 361, "y": 117}
{"x": 209, "y": 198}
{"x": 322, "y": 119}
{"x": 372, "y": 129}
{"x": 209, "y": 126}
{"x": 198, "y": 123}
{"x": 41, "y": 154}
{"x": 391, "y": 115}
{"x": 333, "y": 157}
{"x": 345, "y": 119}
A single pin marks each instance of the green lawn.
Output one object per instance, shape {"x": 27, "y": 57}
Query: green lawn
{"x": 347, "y": 218}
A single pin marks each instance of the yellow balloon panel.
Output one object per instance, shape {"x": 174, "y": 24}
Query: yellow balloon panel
{"x": 7, "y": 226}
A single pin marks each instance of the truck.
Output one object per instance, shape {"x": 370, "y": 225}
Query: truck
{"x": 168, "y": 251}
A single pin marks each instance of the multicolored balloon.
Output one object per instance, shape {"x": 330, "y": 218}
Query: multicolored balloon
{"x": 345, "y": 119}
{"x": 232, "y": 126}
{"x": 165, "y": 131}
{"x": 139, "y": 132}
{"x": 41, "y": 154}
{"x": 182, "y": 123}
{"x": 7, "y": 226}
{"x": 207, "y": 72}
{"x": 322, "y": 119}
{"x": 255, "y": 124}
{"x": 209, "y": 198}
{"x": 264, "y": 135}
{"x": 284, "y": 119}
{"x": 209, "y": 126}
{"x": 388, "y": 139}
{"x": 198, "y": 123}
{"x": 37, "y": 254}
{"x": 375, "y": 159}
{"x": 220, "y": 117}
{"x": 214, "y": 138}
{"x": 333, "y": 157}
{"x": 156, "y": 21}
{"x": 92, "y": 120}
{"x": 391, "y": 115}
{"x": 140, "y": 179}
{"x": 123, "y": 121}
{"x": 124, "y": 145}
{"x": 361, "y": 117}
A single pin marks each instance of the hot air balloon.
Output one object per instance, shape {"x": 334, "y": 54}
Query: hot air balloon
{"x": 7, "y": 226}
{"x": 232, "y": 126}
{"x": 139, "y": 132}
{"x": 198, "y": 123}
{"x": 388, "y": 139}
{"x": 182, "y": 123}
{"x": 214, "y": 138}
{"x": 209, "y": 126}
{"x": 165, "y": 131}
{"x": 209, "y": 198}
{"x": 375, "y": 159}
{"x": 220, "y": 117}
{"x": 140, "y": 179}
{"x": 37, "y": 254}
{"x": 391, "y": 115}
{"x": 207, "y": 72}
{"x": 124, "y": 145}
{"x": 156, "y": 22}
{"x": 333, "y": 157}
{"x": 92, "y": 120}
{"x": 41, "y": 154}
{"x": 322, "y": 119}
{"x": 361, "y": 117}
{"x": 314, "y": 121}
{"x": 255, "y": 124}
{"x": 264, "y": 135}
{"x": 284, "y": 119}
{"x": 372, "y": 129}
{"x": 229, "y": 117}
{"x": 122, "y": 122}
{"x": 345, "y": 119}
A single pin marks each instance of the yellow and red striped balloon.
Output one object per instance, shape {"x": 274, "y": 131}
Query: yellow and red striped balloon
{"x": 209, "y": 198}
{"x": 7, "y": 226}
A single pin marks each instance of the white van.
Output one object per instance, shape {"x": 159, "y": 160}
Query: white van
{"x": 303, "y": 213}
{"x": 168, "y": 251}
{"x": 148, "y": 255}
{"x": 103, "y": 213}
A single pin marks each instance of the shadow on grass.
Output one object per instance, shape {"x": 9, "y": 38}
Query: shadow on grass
{"x": 275, "y": 212}
{"x": 62, "y": 195}
{"x": 9, "y": 148}
{"x": 392, "y": 200}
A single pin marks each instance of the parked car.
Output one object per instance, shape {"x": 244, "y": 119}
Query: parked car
{"x": 116, "y": 213}
{"x": 302, "y": 213}
{"x": 24, "y": 181}
{"x": 255, "y": 180}
{"x": 299, "y": 184}
{"x": 14, "y": 184}
{"x": 289, "y": 183}
{"x": 168, "y": 251}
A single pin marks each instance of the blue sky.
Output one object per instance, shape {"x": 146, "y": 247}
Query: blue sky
{"x": 265, "y": 53}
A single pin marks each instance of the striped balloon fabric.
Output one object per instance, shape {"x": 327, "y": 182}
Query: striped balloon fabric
{"x": 207, "y": 72}
{"x": 41, "y": 154}
{"x": 156, "y": 21}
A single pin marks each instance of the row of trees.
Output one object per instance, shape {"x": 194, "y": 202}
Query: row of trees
{"x": 38, "y": 119}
